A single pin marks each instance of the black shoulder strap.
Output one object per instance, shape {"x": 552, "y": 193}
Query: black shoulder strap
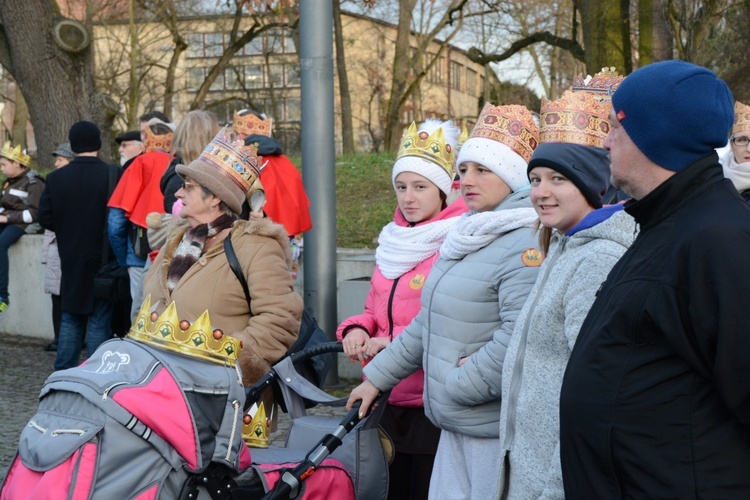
{"x": 234, "y": 264}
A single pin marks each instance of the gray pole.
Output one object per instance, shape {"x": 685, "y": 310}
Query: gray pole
{"x": 318, "y": 170}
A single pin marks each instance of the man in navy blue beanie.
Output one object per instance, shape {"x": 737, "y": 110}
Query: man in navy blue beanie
{"x": 655, "y": 401}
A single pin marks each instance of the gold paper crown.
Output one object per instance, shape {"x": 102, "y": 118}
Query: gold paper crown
{"x": 255, "y": 429}
{"x": 250, "y": 124}
{"x": 511, "y": 125}
{"x": 196, "y": 340}
{"x": 430, "y": 147}
{"x": 228, "y": 154}
{"x": 741, "y": 118}
{"x": 576, "y": 118}
{"x": 464, "y": 135}
{"x": 15, "y": 154}
{"x": 155, "y": 142}
{"x": 602, "y": 84}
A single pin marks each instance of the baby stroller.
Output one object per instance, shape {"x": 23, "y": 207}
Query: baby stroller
{"x": 322, "y": 457}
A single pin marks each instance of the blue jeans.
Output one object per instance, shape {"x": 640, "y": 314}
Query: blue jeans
{"x": 72, "y": 329}
{"x": 8, "y": 236}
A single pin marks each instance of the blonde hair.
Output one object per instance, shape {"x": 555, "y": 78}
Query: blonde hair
{"x": 193, "y": 133}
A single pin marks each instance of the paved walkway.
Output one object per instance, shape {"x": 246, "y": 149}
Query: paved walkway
{"x": 24, "y": 366}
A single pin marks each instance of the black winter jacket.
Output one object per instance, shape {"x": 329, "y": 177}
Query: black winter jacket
{"x": 655, "y": 402}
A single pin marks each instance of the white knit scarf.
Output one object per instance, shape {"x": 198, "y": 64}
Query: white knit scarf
{"x": 401, "y": 248}
{"x": 738, "y": 173}
{"x": 475, "y": 231}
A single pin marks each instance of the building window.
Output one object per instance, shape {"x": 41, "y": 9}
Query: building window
{"x": 213, "y": 43}
{"x": 205, "y": 45}
{"x": 292, "y": 75}
{"x": 471, "y": 82}
{"x": 289, "y": 47}
{"x": 436, "y": 72}
{"x": 195, "y": 45}
{"x": 233, "y": 77}
{"x": 254, "y": 47}
{"x": 253, "y": 77}
{"x": 275, "y": 76}
{"x": 275, "y": 43}
{"x": 456, "y": 70}
{"x": 195, "y": 78}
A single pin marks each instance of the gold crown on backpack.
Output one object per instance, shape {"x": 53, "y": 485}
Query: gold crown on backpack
{"x": 196, "y": 340}
{"x": 255, "y": 428}
{"x": 431, "y": 147}
{"x": 15, "y": 154}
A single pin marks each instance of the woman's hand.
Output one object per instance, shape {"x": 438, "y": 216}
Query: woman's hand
{"x": 366, "y": 392}
{"x": 255, "y": 216}
{"x": 374, "y": 346}
{"x": 354, "y": 344}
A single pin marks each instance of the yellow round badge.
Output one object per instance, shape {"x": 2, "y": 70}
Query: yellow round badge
{"x": 417, "y": 281}
{"x": 532, "y": 257}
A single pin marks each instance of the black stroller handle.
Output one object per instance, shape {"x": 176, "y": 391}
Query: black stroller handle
{"x": 254, "y": 392}
{"x": 289, "y": 485}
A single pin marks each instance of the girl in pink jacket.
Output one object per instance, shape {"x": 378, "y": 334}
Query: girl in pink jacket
{"x": 407, "y": 248}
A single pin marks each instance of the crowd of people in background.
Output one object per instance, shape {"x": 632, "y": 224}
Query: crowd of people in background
{"x": 557, "y": 305}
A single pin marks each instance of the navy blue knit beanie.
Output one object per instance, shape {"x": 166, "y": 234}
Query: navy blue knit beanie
{"x": 675, "y": 112}
{"x": 586, "y": 167}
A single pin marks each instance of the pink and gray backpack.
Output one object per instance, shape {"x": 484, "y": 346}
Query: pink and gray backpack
{"x": 132, "y": 422}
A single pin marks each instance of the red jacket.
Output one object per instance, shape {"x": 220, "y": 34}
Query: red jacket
{"x": 138, "y": 192}
{"x": 382, "y": 319}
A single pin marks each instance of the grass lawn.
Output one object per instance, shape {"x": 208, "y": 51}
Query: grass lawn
{"x": 365, "y": 199}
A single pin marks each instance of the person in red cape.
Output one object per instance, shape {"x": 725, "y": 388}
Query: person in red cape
{"x": 137, "y": 194}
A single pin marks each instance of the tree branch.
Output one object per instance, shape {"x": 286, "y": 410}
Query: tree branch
{"x": 571, "y": 46}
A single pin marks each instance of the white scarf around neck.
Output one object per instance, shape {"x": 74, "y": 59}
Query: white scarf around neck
{"x": 401, "y": 248}
{"x": 738, "y": 173}
{"x": 475, "y": 231}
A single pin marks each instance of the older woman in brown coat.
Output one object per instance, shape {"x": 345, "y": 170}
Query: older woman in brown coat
{"x": 193, "y": 271}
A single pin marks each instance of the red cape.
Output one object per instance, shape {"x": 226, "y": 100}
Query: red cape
{"x": 138, "y": 191}
{"x": 286, "y": 200}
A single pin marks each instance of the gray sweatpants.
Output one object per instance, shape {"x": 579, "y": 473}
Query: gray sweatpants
{"x": 465, "y": 467}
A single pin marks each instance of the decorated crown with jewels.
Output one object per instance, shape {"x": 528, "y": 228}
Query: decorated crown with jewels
{"x": 741, "y": 118}
{"x": 602, "y": 84}
{"x": 576, "y": 118}
{"x": 196, "y": 339}
{"x": 250, "y": 124}
{"x": 157, "y": 142}
{"x": 431, "y": 147}
{"x": 512, "y": 125}
{"x": 15, "y": 154}
{"x": 228, "y": 153}
{"x": 256, "y": 427}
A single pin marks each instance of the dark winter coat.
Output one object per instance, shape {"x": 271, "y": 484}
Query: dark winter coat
{"x": 20, "y": 198}
{"x": 655, "y": 401}
{"x": 74, "y": 206}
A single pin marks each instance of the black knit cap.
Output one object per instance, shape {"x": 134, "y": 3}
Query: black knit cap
{"x": 587, "y": 167}
{"x": 85, "y": 137}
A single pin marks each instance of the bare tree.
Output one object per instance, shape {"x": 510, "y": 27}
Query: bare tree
{"x": 58, "y": 84}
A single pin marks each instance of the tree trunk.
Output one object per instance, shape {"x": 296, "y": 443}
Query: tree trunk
{"x": 58, "y": 85}
{"x": 599, "y": 20}
{"x": 627, "y": 56}
{"x": 347, "y": 126}
{"x": 400, "y": 74}
{"x": 20, "y": 118}
{"x": 663, "y": 40}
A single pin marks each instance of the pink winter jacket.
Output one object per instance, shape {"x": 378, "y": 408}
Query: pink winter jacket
{"x": 392, "y": 304}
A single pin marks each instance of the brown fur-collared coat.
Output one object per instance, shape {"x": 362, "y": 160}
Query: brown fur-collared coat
{"x": 267, "y": 331}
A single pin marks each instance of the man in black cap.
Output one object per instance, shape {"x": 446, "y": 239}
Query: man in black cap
{"x": 130, "y": 146}
{"x": 74, "y": 206}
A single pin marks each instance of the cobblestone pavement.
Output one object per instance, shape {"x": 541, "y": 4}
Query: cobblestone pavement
{"x": 24, "y": 366}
